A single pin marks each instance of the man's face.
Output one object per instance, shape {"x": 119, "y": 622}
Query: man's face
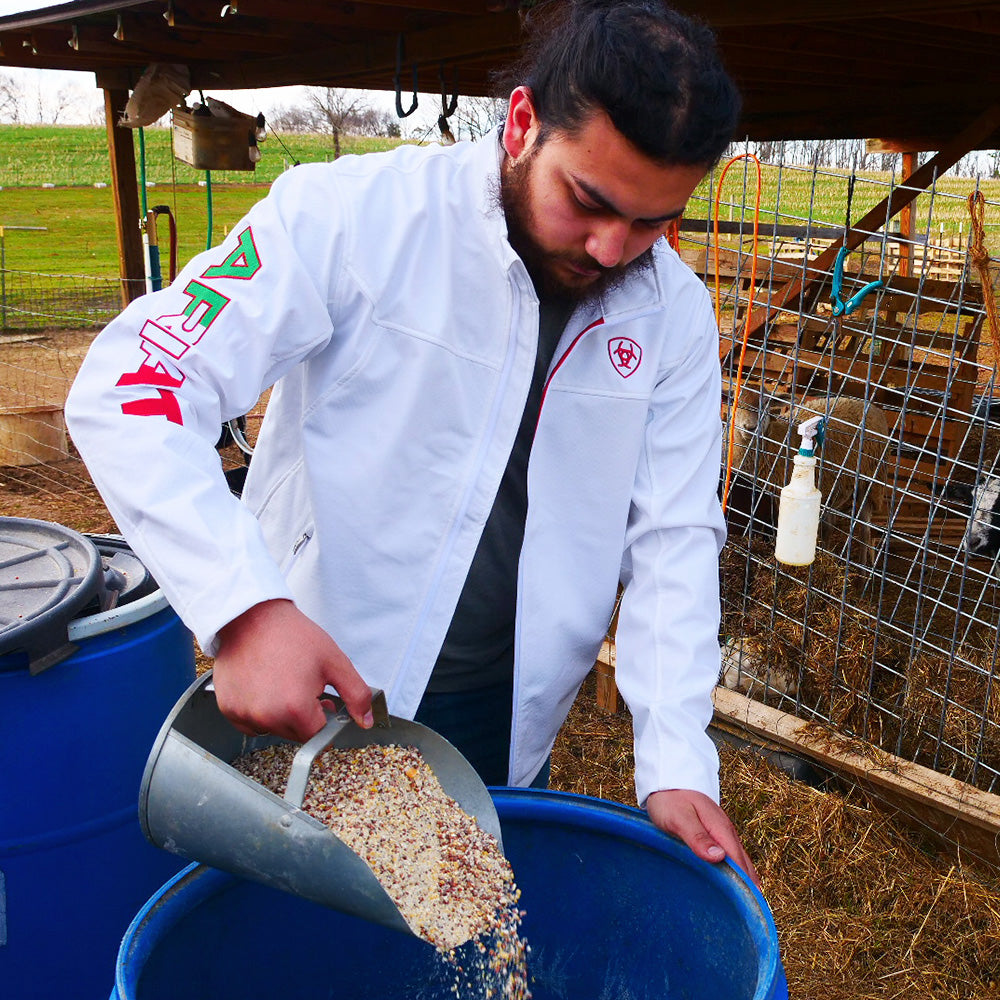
{"x": 584, "y": 209}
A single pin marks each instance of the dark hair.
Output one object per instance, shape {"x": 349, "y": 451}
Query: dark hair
{"x": 655, "y": 72}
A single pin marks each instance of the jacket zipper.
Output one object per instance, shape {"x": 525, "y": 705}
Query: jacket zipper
{"x": 467, "y": 498}
{"x": 297, "y": 546}
{"x": 517, "y": 618}
{"x": 576, "y": 340}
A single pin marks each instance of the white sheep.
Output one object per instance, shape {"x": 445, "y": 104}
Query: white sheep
{"x": 972, "y": 483}
{"x": 850, "y": 459}
{"x": 744, "y": 671}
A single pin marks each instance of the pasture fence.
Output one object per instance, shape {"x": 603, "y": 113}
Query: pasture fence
{"x": 32, "y": 301}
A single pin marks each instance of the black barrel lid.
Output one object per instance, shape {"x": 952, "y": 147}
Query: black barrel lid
{"x": 47, "y": 574}
{"x": 124, "y": 577}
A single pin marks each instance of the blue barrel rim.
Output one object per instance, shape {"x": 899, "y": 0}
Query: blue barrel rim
{"x": 614, "y": 818}
{"x": 196, "y": 882}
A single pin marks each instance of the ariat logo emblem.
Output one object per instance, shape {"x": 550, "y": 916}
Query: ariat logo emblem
{"x": 625, "y": 354}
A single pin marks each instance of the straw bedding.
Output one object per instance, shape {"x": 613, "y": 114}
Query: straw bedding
{"x": 858, "y": 662}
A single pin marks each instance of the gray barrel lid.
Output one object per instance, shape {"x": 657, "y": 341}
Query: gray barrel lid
{"x": 48, "y": 573}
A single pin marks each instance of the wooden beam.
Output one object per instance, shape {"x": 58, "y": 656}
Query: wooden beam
{"x": 906, "y": 144}
{"x": 952, "y": 809}
{"x": 126, "y": 196}
{"x": 492, "y": 34}
{"x": 791, "y": 294}
{"x": 730, "y": 13}
{"x": 297, "y": 9}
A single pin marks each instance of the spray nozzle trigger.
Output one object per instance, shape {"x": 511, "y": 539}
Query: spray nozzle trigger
{"x": 811, "y": 432}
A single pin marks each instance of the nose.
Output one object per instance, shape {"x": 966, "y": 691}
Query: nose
{"x": 607, "y": 240}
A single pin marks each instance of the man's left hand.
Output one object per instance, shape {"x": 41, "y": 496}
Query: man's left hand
{"x": 701, "y": 824}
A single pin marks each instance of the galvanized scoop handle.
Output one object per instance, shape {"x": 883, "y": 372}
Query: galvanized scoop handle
{"x": 298, "y": 778}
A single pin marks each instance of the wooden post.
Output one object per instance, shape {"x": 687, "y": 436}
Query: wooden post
{"x": 604, "y": 669}
{"x": 126, "y": 194}
{"x": 953, "y": 810}
{"x": 906, "y": 219}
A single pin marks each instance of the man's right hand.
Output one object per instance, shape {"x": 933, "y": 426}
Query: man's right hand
{"x": 272, "y": 667}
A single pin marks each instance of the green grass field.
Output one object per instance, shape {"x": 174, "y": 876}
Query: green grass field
{"x": 77, "y": 155}
{"x": 72, "y": 228}
{"x": 75, "y": 219}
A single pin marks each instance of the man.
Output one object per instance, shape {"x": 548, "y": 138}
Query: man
{"x": 496, "y": 396}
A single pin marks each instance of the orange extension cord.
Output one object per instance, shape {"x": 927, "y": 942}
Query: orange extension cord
{"x": 718, "y": 313}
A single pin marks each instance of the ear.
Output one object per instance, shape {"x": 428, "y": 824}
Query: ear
{"x": 521, "y": 127}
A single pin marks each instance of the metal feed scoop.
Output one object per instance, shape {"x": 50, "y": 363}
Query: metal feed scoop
{"x": 194, "y": 803}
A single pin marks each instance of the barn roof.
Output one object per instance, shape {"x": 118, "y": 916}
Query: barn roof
{"x": 918, "y": 70}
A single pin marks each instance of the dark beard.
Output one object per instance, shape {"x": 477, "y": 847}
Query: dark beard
{"x": 540, "y": 262}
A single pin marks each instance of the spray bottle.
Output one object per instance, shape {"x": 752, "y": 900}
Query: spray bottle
{"x": 798, "y": 508}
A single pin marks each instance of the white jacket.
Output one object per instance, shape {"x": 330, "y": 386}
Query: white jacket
{"x": 381, "y": 298}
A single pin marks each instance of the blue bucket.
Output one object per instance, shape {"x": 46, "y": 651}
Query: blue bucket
{"x": 74, "y": 864}
{"x": 613, "y": 908}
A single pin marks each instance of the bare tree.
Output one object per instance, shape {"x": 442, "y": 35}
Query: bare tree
{"x": 374, "y": 122}
{"x": 478, "y": 115}
{"x": 11, "y": 98}
{"x": 63, "y": 102}
{"x": 336, "y": 111}
{"x": 289, "y": 118}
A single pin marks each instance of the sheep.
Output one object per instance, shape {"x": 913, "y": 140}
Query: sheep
{"x": 850, "y": 460}
{"x": 977, "y": 454}
{"x": 973, "y": 485}
{"x": 982, "y": 533}
{"x": 745, "y": 671}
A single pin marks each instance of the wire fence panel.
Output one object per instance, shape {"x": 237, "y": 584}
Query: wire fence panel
{"x": 890, "y": 635}
{"x": 32, "y": 301}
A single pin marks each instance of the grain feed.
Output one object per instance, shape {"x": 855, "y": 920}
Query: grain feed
{"x": 448, "y": 878}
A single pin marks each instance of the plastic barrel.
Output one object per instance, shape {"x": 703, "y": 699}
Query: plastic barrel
{"x": 613, "y": 908}
{"x": 74, "y": 864}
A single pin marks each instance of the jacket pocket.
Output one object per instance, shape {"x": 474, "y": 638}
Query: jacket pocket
{"x": 297, "y": 550}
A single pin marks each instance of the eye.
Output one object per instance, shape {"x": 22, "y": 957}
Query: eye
{"x": 585, "y": 204}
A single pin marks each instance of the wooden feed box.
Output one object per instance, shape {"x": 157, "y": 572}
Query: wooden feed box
{"x": 30, "y": 435}
{"x": 208, "y": 142}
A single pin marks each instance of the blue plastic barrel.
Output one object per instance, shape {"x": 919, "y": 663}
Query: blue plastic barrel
{"x": 74, "y": 864}
{"x": 614, "y": 908}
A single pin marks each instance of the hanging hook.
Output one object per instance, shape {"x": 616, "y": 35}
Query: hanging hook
{"x": 395, "y": 80}
{"x": 448, "y": 105}
{"x": 840, "y": 307}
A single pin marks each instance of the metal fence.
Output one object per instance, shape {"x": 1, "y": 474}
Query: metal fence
{"x": 33, "y": 301}
{"x": 891, "y": 634}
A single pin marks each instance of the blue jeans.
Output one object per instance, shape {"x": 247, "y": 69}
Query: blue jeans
{"x": 477, "y": 724}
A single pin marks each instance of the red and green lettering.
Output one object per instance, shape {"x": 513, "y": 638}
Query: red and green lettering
{"x": 243, "y": 262}
{"x": 200, "y": 294}
{"x": 172, "y": 334}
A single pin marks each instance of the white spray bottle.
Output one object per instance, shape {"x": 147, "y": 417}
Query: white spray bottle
{"x": 798, "y": 508}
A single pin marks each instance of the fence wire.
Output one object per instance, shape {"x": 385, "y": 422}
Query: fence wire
{"x": 33, "y": 301}
{"x": 891, "y": 634}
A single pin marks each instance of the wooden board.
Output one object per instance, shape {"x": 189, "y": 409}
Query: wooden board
{"x": 934, "y": 802}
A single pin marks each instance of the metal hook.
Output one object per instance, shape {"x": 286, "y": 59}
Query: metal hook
{"x": 395, "y": 80}
{"x": 448, "y": 105}
{"x": 840, "y": 307}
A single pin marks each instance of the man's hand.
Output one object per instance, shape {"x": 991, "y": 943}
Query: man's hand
{"x": 271, "y": 669}
{"x": 701, "y": 824}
